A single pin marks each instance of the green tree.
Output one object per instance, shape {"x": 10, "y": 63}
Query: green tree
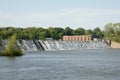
{"x": 109, "y": 30}
{"x": 43, "y": 35}
{"x": 68, "y": 31}
{"x": 112, "y": 31}
{"x": 79, "y": 31}
{"x": 89, "y": 32}
{"x": 117, "y": 29}
{"x": 98, "y": 32}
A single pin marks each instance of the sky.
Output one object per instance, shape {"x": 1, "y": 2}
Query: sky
{"x": 87, "y": 14}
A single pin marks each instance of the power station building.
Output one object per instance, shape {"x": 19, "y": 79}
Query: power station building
{"x": 77, "y": 38}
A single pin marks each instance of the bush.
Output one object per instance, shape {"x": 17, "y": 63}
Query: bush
{"x": 11, "y": 49}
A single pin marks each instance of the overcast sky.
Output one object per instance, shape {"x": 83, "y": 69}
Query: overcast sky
{"x": 59, "y": 13}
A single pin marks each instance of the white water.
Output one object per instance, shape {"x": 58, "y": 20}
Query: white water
{"x": 53, "y": 45}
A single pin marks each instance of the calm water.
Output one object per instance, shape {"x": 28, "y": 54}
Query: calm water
{"x": 63, "y": 65}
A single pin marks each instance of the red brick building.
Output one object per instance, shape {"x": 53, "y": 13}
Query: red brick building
{"x": 77, "y": 38}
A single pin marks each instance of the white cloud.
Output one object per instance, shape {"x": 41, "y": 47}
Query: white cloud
{"x": 62, "y": 17}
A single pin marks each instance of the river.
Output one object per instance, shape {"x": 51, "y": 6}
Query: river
{"x": 100, "y": 64}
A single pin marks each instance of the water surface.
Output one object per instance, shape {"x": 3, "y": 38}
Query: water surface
{"x": 63, "y": 65}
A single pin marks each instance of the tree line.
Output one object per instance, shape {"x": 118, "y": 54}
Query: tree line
{"x": 42, "y": 33}
{"x": 111, "y": 31}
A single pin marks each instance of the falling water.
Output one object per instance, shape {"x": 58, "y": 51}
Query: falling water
{"x": 53, "y": 45}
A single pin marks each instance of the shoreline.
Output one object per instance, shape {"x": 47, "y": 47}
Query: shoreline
{"x": 115, "y": 44}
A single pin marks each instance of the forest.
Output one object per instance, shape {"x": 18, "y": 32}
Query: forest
{"x": 111, "y": 31}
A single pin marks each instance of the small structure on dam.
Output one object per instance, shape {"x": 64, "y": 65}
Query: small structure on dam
{"x": 77, "y": 38}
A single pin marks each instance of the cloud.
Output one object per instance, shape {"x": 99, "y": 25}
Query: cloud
{"x": 68, "y": 17}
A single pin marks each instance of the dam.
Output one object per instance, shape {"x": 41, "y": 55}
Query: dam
{"x": 56, "y": 45}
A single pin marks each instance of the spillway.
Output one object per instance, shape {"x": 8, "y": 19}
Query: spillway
{"x": 54, "y": 45}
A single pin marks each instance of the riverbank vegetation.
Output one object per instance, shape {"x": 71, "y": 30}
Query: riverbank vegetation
{"x": 112, "y": 31}
{"x": 11, "y": 49}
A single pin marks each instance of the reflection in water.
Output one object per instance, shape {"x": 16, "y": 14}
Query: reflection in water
{"x": 11, "y": 57}
{"x": 62, "y": 65}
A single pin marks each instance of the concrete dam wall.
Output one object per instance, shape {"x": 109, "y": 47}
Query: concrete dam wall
{"x": 53, "y": 45}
